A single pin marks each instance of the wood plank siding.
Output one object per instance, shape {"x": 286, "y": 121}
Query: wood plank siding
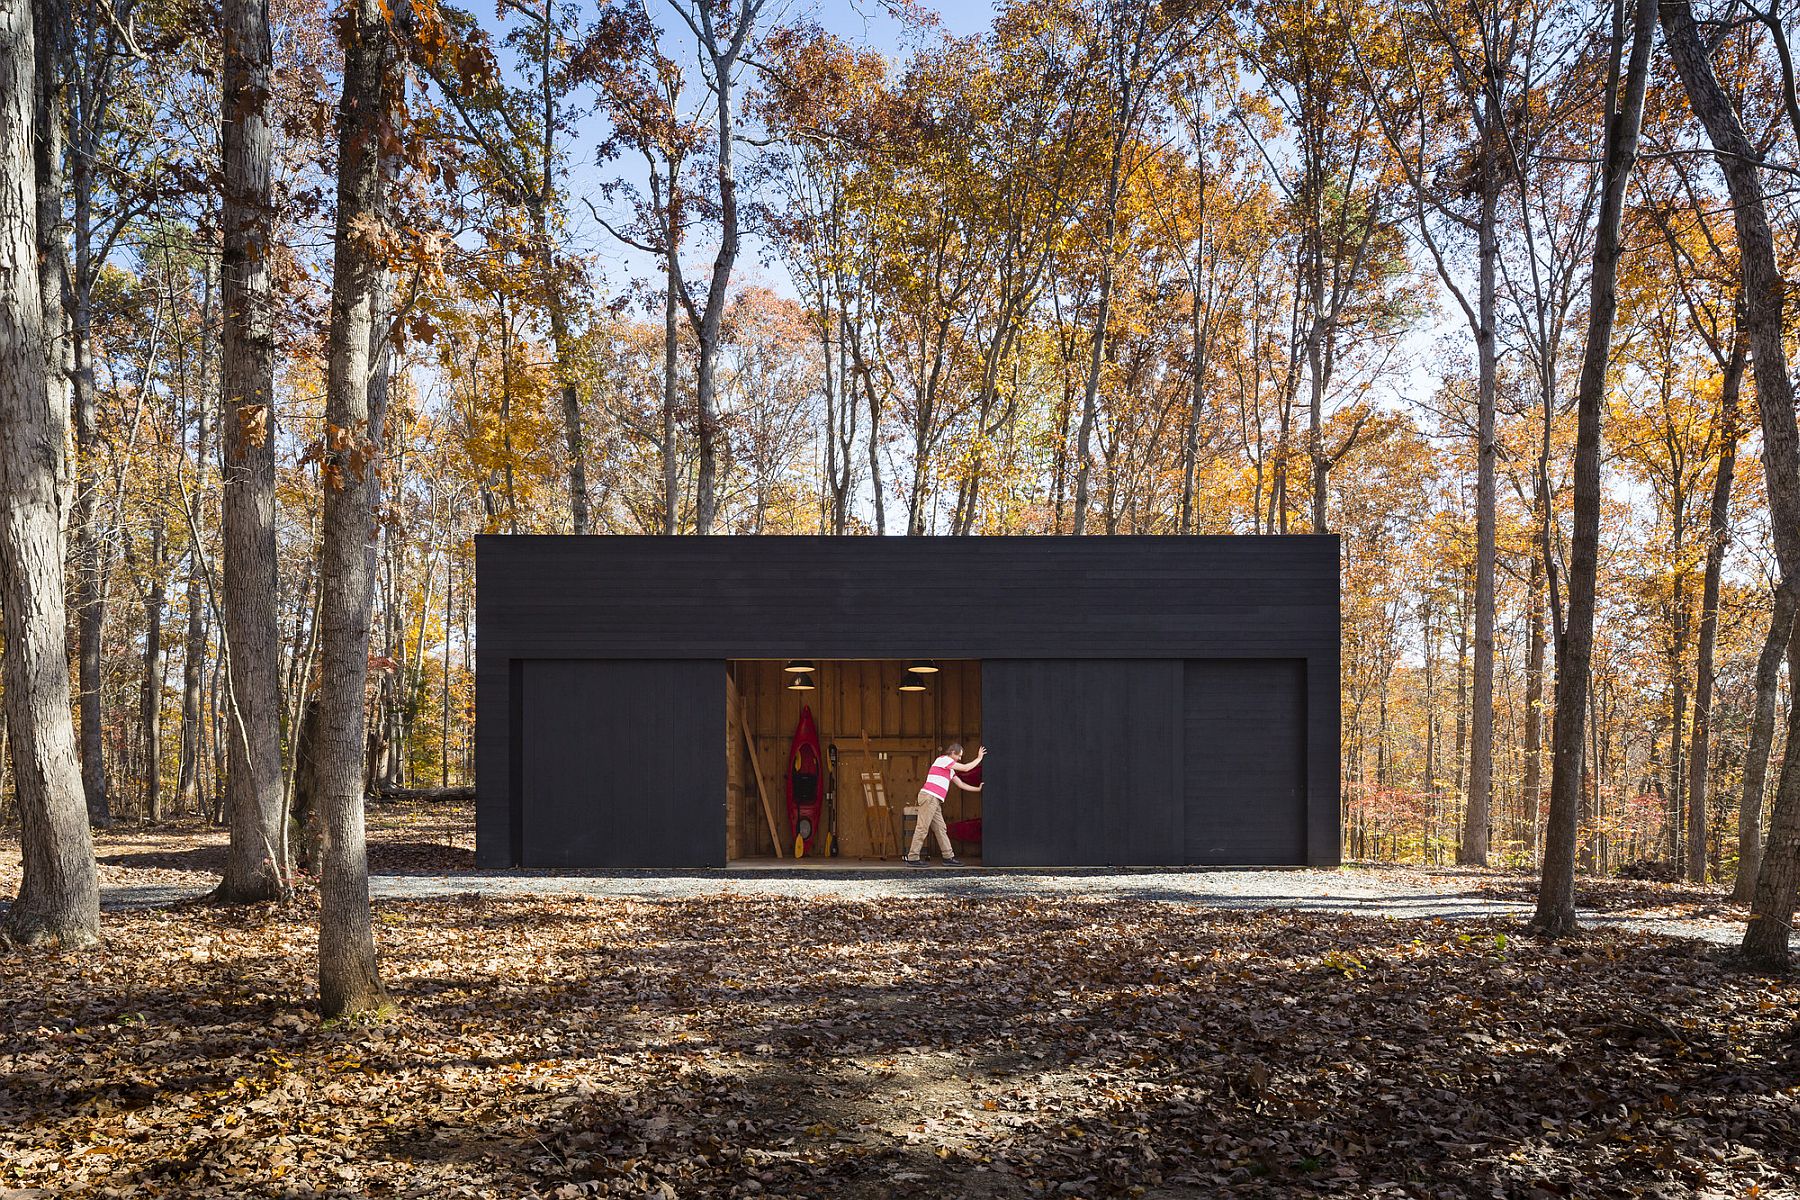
{"x": 1151, "y": 700}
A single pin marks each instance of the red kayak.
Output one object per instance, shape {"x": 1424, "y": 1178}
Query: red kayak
{"x": 805, "y": 793}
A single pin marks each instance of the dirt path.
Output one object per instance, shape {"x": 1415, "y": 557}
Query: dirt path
{"x": 421, "y": 852}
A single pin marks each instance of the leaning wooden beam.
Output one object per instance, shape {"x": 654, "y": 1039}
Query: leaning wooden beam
{"x": 756, "y": 773}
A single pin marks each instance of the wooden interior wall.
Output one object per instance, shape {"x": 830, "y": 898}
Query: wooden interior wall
{"x": 852, "y": 697}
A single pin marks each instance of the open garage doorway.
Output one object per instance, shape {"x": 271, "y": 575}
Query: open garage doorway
{"x": 850, "y": 741}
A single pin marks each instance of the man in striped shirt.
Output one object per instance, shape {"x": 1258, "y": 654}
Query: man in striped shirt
{"x": 944, "y": 773}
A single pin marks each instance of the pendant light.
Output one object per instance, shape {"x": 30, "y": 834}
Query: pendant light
{"x": 798, "y": 666}
{"x": 922, "y": 666}
{"x": 801, "y": 683}
{"x": 910, "y": 682}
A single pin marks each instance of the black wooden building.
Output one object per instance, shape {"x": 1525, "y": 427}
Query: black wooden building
{"x": 1148, "y": 701}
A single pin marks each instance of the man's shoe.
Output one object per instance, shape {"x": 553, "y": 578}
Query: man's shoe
{"x": 915, "y": 862}
{"x": 950, "y": 862}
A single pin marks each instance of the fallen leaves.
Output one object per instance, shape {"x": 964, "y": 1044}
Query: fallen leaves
{"x": 979, "y": 1047}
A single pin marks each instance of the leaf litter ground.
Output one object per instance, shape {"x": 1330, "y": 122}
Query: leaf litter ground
{"x": 741, "y": 1045}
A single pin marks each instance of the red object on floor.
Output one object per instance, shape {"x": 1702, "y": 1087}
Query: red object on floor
{"x": 966, "y": 831}
{"x": 805, "y": 795}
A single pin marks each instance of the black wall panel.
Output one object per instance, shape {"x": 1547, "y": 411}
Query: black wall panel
{"x": 1082, "y": 642}
{"x": 1244, "y": 772}
{"x": 873, "y": 597}
{"x": 619, "y": 764}
{"x": 1086, "y": 766}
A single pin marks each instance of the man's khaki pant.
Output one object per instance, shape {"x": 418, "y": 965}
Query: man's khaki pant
{"x": 930, "y": 821}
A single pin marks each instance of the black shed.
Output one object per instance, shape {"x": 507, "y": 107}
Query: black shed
{"x": 1147, "y": 701}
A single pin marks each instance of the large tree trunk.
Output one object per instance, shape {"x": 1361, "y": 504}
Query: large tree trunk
{"x": 255, "y": 867}
{"x": 1474, "y": 847}
{"x": 1718, "y": 535}
{"x": 1766, "y": 937}
{"x": 349, "y": 981}
{"x": 1762, "y": 735}
{"x": 1574, "y": 651}
{"x": 59, "y": 893}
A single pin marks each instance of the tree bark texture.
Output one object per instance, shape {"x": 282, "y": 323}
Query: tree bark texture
{"x": 1556, "y": 886}
{"x": 59, "y": 895}
{"x": 53, "y": 55}
{"x": 349, "y": 981}
{"x": 1718, "y": 536}
{"x": 1778, "y": 877}
{"x": 1473, "y": 849}
{"x": 1534, "y": 703}
{"x": 151, "y": 686}
{"x": 1762, "y": 735}
{"x": 255, "y": 867}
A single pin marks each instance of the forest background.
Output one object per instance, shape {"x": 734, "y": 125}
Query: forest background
{"x": 1260, "y": 268}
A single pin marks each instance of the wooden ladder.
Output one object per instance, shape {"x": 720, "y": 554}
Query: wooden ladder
{"x": 877, "y": 816}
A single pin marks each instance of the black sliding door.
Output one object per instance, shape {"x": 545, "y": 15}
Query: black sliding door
{"x": 1086, "y": 765}
{"x": 1144, "y": 762}
{"x": 620, "y": 763}
{"x": 1244, "y": 725}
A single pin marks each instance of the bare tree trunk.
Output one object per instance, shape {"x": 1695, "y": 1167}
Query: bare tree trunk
{"x": 1772, "y": 912}
{"x": 255, "y": 868}
{"x": 1534, "y": 704}
{"x": 444, "y": 667}
{"x": 723, "y": 45}
{"x": 1762, "y": 735}
{"x": 54, "y": 66}
{"x": 1200, "y": 319}
{"x": 1090, "y": 392}
{"x": 1718, "y": 536}
{"x": 1475, "y": 831}
{"x": 1575, "y": 648}
{"x": 349, "y": 980}
{"x": 874, "y": 445}
{"x": 150, "y": 694}
{"x": 187, "y": 780}
{"x": 5, "y": 749}
{"x": 575, "y": 442}
{"x": 304, "y": 811}
{"x": 1677, "y": 692}
{"x": 1090, "y": 395}
{"x": 89, "y": 569}
{"x": 671, "y": 365}
{"x": 59, "y": 893}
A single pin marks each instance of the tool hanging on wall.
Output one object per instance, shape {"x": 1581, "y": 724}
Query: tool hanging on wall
{"x": 831, "y": 793}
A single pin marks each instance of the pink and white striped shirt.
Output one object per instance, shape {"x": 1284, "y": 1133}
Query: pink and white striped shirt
{"x": 937, "y": 780}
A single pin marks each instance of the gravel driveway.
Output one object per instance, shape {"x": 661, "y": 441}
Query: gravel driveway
{"x": 1397, "y": 894}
